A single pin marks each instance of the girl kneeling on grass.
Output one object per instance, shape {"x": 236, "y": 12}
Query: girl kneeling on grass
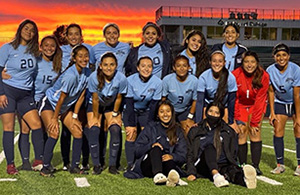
{"x": 160, "y": 149}
{"x": 63, "y": 101}
{"x": 212, "y": 149}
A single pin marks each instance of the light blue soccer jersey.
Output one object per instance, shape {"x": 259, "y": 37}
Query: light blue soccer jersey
{"x": 230, "y": 54}
{"x": 143, "y": 92}
{"x": 283, "y": 83}
{"x": 209, "y": 85}
{"x": 155, "y": 53}
{"x": 67, "y": 50}
{"x": 181, "y": 94}
{"x": 121, "y": 52}
{"x": 44, "y": 78}
{"x": 70, "y": 82}
{"x": 19, "y": 65}
{"x": 109, "y": 92}
{"x": 192, "y": 62}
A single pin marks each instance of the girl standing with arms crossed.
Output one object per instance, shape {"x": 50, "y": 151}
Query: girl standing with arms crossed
{"x": 284, "y": 102}
{"x": 19, "y": 59}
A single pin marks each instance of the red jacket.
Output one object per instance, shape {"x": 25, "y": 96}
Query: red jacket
{"x": 249, "y": 98}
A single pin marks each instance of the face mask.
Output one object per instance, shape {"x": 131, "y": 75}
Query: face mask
{"x": 212, "y": 120}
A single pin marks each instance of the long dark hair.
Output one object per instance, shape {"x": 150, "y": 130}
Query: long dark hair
{"x": 100, "y": 74}
{"x": 223, "y": 77}
{"x": 258, "y": 73}
{"x": 218, "y": 128}
{"x": 57, "y": 33}
{"x": 57, "y": 56}
{"x": 202, "y": 55}
{"x": 76, "y": 26}
{"x": 171, "y": 131}
{"x": 33, "y": 44}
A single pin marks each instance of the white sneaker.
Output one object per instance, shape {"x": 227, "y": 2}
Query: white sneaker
{"x": 250, "y": 176}
{"x": 173, "y": 178}
{"x": 297, "y": 171}
{"x": 220, "y": 181}
{"x": 182, "y": 183}
{"x": 159, "y": 178}
{"x": 279, "y": 169}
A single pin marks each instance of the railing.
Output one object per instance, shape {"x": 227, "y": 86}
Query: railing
{"x": 212, "y": 12}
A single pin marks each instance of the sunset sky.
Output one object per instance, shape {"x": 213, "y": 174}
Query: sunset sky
{"x": 92, "y": 15}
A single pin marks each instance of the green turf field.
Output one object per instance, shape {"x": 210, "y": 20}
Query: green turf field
{"x": 63, "y": 182}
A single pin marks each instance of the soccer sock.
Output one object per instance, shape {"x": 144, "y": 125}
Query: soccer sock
{"x": 129, "y": 150}
{"x": 8, "y": 146}
{"x": 94, "y": 132}
{"x": 242, "y": 153}
{"x": 118, "y": 163}
{"x": 85, "y": 150}
{"x": 298, "y": 150}
{"x": 279, "y": 149}
{"x": 38, "y": 143}
{"x": 48, "y": 152}
{"x": 114, "y": 144}
{"x": 76, "y": 151}
{"x": 24, "y": 147}
{"x": 102, "y": 144}
{"x": 256, "y": 148}
{"x": 65, "y": 144}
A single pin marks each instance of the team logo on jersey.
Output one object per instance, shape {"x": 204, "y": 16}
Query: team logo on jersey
{"x": 239, "y": 60}
{"x": 151, "y": 90}
{"x": 189, "y": 91}
{"x": 114, "y": 88}
{"x": 159, "y": 51}
{"x": 289, "y": 80}
{"x": 120, "y": 52}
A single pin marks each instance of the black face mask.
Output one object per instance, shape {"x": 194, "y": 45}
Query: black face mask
{"x": 212, "y": 120}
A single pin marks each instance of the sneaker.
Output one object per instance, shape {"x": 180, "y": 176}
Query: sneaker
{"x": 46, "y": 172}
{"x": 297, "y": 171}
{"x": 279, "y": 169}
{"x": 250, "y": 176}
{"x": 128, "y": 168}
{"x": 220, "y": 181}
{"x": 52, "y": 168}
{"x": 113, "y": 170}
{"x": 11, "y": 169}
{"x": 173, "y": 178}
{"x": 160, "y": 178}
{"x": 66, "y": 167}
{"x": 77, "y": 170}
{"x": 37, "y": 165}
{"x": 182, "y": 183}
{"x": 26, "y": 166}
{"x": 97, "y": 170}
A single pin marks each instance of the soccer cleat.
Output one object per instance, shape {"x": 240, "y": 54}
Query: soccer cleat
{"x": 258, "y": 171}
{"x": 77, "y": 170}
{"x": 113, "y": 170}
{"x": 66, "y": 167}
{"x": 11, "y": 169}
{"x": 173, "y": 178}
{"x": 220, "y": 181}
{"x": 159, "y": 178}
{"x": 85, "y": 167}
{"x": 182, "y": 183}
{"x": 37, "y": 165}
{"x": 297, "y": 171}
{"x": 46, "y": 172}
{"x": 26, "y": 166}
{"x": 250, "y": 176}
{"x": 279, "y": 169}
{"x": 97, "y": 170}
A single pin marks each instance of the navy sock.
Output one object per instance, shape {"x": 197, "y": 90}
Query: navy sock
{"x": 242, "y": 153}
{"x": 65, "y": 144}
{"x": 114, "y": 144}
{"x": 298, "y": 150}
{"x": 48, "y": 153}
{"x": 85, "y": 150}
{"x": 103, "y": 144}
{"x": 129, "y": 150}
{"x": 8, "y": 146}
{"x": 279, "y": 149}
{"x": 94, "y": 132}
{"x": 24, "y": 147}
{"x": 76, "y": 151}
{"x": 256, "y": 148}
{"x": 38, "y": 143}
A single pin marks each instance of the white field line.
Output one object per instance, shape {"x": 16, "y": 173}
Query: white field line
{"x": 2, "y": 156}
{"x": 271, "y": 147}
{"x": 8, "y": 179}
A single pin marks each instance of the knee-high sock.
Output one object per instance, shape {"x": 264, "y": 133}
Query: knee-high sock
{"x": 118, "y": 163}
{"x": 114, "y": 145}
{"x": 93, "y": 137}
{"x": 279, "y": 149}
{"x": 256, "y": 148}
{"x": 8, "y": 146}
{"x": 85, "y": 150}
{"x": 48, "y": 152}
{"x": 65, "y": 144}
{"x": 38, "y": 143}
{"x": 24, "y": 147}
{"x": 76, "y": 151}
{"x": 298, "y": 150}
{"x": 129, "y": 151}
{"x": 242, "y": 153}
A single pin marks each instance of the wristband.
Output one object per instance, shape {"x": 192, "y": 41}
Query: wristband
{"x": 190, "y": 116}
{"x": 114, "y": 114}
{"x": 75, "y": 116}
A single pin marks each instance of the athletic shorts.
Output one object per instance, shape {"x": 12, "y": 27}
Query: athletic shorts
{"x": 101, "y": 110}
{"x": 44, "y": 104}
{"x": 284, "y": 109}
{"x": 18, "y": 99}
{"x": 245, "y": 111}
{"x": 141, "y": 117}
